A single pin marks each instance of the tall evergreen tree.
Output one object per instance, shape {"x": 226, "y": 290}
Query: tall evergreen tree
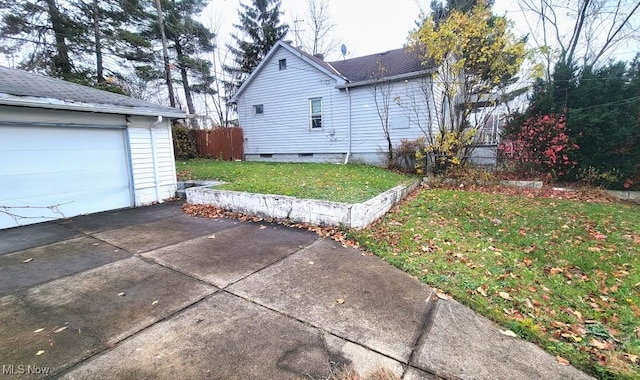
{"x": 258, "y": 31}
{"x": 188, "y": 41}
{"x": 67, "y": 39}
{"x": 50, "y": 34}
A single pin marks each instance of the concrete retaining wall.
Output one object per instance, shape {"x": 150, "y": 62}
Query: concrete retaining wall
{"x": 633, "y": 196}
{"x": 324, "y": 213}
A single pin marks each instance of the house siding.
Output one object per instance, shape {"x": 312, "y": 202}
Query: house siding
{"x": 368, "y": 141}
{"x": 148, "y": 188}
{"x": 283, "y": 128}
{"x": 282, "y": 132}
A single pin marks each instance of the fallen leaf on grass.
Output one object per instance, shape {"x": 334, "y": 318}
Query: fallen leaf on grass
{"x": 28, "y": 260}
{"x": 481, "y": 291}
{"x": 39, "y": 352}
{"x": 38, "y": 330}
{"x": 154, "y": 303}
{"x": 442, "y": 296}
{"x": 633, "y": 359}
{"x": 339, "y": 301}
{"x": 508, "y": 333}
{"x": 528, "y": 303}
{"x": 561, "y": 360}
{"x": 122, "y": 294}
{"x": 601, "y": 345}
{"x": 505, "y": 295}
{"x": 60, "y": 329}
{"x": 212, "y": 236}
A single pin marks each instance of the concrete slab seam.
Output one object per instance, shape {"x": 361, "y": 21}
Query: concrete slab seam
{"x": 132, "y": 335}
{"x": 152, "y": 261}
{"x": 311, "y": 325}
{"x": 270, "y": 265}
{"x": 433, "y": 305}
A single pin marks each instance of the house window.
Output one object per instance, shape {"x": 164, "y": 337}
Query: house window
{"x": 282, "y": 64}
{"x": 315, "y": 108}
{"x": 258, "y": 109}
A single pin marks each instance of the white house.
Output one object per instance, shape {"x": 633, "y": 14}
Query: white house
{"x": 68, "y": 149}
{"x": 297, "y": 107}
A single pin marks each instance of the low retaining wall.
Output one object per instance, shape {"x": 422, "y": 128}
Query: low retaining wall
{"x": 633, "y": 196}
{"x": 324, "y": 213}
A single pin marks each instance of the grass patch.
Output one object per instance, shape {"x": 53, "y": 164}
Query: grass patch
{"x": 338, "y": 183}
{"x": 563, "y": 274}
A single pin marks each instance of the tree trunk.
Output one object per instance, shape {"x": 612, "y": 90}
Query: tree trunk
{"x": 185, "y": 83}
{"x": 61, "y": 62}
{"x": 98, "y": 43}
{"x": 165, "y": 55}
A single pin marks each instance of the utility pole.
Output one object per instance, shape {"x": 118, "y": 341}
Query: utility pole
{"x": 297, "y": 31}
{"x": 165, "y": 54}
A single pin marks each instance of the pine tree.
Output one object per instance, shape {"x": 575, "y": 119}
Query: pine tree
{"x": 189, "y": 38}
{"x": 260, "y": 23}
{"x": 50, "y": 34}
{"x": 68, "y": 39}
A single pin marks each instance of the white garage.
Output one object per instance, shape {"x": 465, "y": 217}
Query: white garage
{"x": 67, "y": 150}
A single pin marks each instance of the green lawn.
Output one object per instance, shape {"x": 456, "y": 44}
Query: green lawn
{"x": 339, "y": 183}
{"x": 563, "y": 274}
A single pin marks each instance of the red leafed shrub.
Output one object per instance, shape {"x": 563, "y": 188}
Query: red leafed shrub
{"x": 542, "y": 146}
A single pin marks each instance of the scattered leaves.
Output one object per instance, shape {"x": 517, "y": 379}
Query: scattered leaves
{"x": 339, "y": 301}
{"x": 60, "y": 329}
{"x": 505, "y": 295}
{"x": 28, "y": 260}
{"x": 40, "y": 352}
{"x": 561, "y": 360}
{"x": 38, "y": 330}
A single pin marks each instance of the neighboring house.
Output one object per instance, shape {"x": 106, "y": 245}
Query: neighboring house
{"x": 68, "y": 149}
{"x": 297, "y": 107}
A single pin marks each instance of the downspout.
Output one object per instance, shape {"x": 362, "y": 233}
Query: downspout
{"x": 156, "y": 173}
{"x": 346, "y": 159}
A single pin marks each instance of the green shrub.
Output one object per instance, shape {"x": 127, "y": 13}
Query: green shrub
{"x": 184, "y": 146}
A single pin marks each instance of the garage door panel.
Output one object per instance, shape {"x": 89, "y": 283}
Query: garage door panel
{"x": 82, "y": 169}
{"x": 23, "y": 162}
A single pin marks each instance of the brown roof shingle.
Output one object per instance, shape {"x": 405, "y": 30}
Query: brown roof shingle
{"x": 397, "y": 62}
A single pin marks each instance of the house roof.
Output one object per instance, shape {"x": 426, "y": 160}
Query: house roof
{"x": 396, "y": 62}
{"x": 21, "y": 88}
{"x": 399, "y": 63}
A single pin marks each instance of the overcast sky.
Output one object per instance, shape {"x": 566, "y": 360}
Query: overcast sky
{"x": 364, "y": 27}
{"x": 367, "y": 27}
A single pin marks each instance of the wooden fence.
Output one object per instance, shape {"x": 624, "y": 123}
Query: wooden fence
{"x": 221, "y": 143}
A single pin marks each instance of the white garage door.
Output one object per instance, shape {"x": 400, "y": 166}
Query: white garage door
{"x": 50, "y": 172}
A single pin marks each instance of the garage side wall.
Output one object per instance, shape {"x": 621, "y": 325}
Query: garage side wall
{"x": 152, "y": 161}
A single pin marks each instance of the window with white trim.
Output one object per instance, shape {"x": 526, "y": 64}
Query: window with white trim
{"x": 315, "y": 113}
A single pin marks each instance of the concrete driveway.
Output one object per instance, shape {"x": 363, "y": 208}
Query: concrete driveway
{"x": 151, "y": 293}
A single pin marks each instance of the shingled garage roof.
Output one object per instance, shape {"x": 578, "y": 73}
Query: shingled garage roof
{"x": 397, "y": 62}
{"x": 18, "y": 87}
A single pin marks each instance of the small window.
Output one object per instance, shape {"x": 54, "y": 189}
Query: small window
{"x": 315, "y": 108}
{"x": 258, "y": 109}
{"x": 282, "y": 64}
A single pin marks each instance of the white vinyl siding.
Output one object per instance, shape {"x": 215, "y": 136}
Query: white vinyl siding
{"x": 284, "y": 127}
{"x": 148, "y": 188}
